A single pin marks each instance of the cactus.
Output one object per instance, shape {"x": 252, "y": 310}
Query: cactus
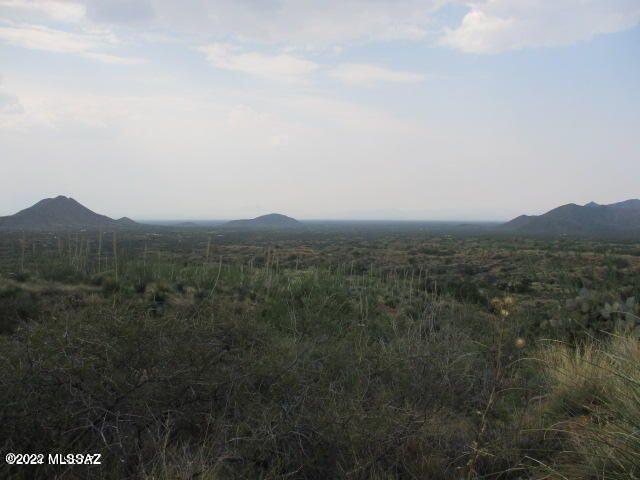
{"x": 600, "y": 312}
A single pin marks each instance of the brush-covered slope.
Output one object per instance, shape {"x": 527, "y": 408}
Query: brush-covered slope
{"x": 273, "y": 221}
{"x": 620, "y": 218}
{"x": 60, "y": 213}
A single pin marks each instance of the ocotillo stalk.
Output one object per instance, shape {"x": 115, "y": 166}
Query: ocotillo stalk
{"x": 99, "y": 249}
{"x": 115, "y": 254}
{"x": 23, "y": 248}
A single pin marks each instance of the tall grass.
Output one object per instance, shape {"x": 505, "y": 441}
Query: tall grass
{"x": 594, "y": 396}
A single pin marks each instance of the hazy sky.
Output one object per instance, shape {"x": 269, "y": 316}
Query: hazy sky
{"x": 403, "y": 109}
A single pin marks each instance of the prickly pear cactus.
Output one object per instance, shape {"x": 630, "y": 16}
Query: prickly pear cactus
{"x": 599, "y": 312}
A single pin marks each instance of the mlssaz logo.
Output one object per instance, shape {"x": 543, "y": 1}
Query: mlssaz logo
{"x": 75, "y": 459}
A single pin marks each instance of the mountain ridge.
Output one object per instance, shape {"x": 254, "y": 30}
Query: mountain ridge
{"x": 589, "y": 219}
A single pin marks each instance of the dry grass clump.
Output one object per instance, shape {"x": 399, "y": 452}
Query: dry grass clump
{"x": 594, "y": 394}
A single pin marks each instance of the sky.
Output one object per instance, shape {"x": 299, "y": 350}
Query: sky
{"x": 333, "y": 109}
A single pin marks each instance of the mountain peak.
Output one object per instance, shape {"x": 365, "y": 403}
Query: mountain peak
{"x": 57, "y": 199}
{"x": 57, "y": 213}
{"x": 592, "y": 204}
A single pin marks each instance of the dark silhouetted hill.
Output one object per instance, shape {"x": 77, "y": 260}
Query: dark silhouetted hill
{"x": 621, "y": 218}
{"x": 273, "y": 221}
{"x": 60, "y": 213}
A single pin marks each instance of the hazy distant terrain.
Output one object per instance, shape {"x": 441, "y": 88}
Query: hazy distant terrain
{"x": 620, "y": 219}
{"x": 270, "y": 221}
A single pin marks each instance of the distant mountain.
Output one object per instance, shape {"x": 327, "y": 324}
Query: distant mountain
{"x": 621, "y": 218}
{"x": 127, "y": 222}
{"x": 273, "y": 221}
{"x": 60, "y": 213}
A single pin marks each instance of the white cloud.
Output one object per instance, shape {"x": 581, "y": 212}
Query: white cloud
{"x": 111, "y": 59}
{"x": 119, "y": 11}
{"x": 317, "y": 24}
{"x": 38, "y": 37}
{"x": 304, "y": 23}
{"x": 363, "y": 74}
{"x": 54, "y": 9}
{"x": 282, "y": 67}
{"x": 87, "y": 45}
{"x": 495, "y": 26}
{"x": 489, "y": 26}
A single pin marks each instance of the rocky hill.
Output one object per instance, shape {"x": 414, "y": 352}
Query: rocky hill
{"x": 622, "y": 218}
{"x": 273, "y": 221}
{"x": 60, "y": 213}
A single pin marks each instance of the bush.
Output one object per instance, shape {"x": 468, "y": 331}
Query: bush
{"x": 311, "y": 388}
{"x": 16, "y": 305}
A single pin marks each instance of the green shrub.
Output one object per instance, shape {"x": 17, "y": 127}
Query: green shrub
{"x": 16, "y": 305}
